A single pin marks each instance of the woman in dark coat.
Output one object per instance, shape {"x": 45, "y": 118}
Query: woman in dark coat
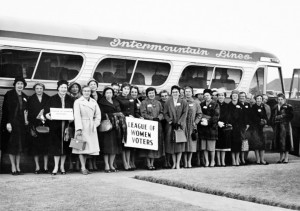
{"x": 110, "y": 142}
{"x": 175, "y": 113}
{"x": 257, "y": 122}
{"x": 282, "y": 115}
{"x": 223, "y": 144}
{"x": 39, "y": 143}
{"x": 209, "y": 127}
{"x": 128, "y": 108}
{"x": 237, "y": 121}
{"x": 59, "y": 140}
{"x": 14, "y": 119}
{"x": 151, "y": 109}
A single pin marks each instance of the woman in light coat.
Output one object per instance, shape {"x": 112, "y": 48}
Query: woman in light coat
{"x": 175, "y": 113}
{"x": 87, "y": 117}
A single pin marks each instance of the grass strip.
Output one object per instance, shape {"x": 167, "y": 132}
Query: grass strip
{"x": 217, "y": 192}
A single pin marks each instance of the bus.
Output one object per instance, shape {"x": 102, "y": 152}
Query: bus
{"x": 47, "y": 59}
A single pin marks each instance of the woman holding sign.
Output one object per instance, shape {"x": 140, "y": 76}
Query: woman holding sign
{"x": 87, "y": 118}
{"x": 175, "y": 113}
{"x": 129, "y": 109}
{"x": 59, "y": 137}
{"x": 151, "y": 109}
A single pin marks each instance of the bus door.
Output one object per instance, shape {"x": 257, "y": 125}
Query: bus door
{"x": 294, "y": 100}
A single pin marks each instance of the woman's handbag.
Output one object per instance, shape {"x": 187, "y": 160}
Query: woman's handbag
{"x": 77, "y": 144}
{"x": 42, "y": 129}
{"x": 194, "y": 135}
{"x": 105, "y": 125}
{"x": 179, "y": 136}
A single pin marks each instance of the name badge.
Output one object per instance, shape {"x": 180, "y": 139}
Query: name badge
{"x": 178, "y": 104}
{"x": 149, "y": 106}
{"x": 191, "y": 105}
{"x": 131, "y": 100}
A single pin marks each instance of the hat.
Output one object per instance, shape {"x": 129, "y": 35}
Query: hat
{"x": 61, "y": 82}
{"x": 235, "y": 92}
{"x": 107, "y": 88}
{"x": 73, "y": 83}
{"x": 91, "y": 80}
{"x": 207, "y": 91}
{"x": 21, "y": 79}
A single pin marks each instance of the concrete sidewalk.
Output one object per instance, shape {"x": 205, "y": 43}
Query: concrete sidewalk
{"x": 202, "y": 200}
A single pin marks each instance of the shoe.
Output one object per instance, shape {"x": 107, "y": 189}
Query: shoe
{"x": 19, "y": 173}
{"x": 280, "y": 161}
{"x": 265, "y": 163}
{"x": 107, "y": 171}
{"x": 85, "y": 172}
{"x": 63, "y": 172}
{"x": 14, "y": 173}
{"x": 153, "y": 168}
{"x": 37, "y": 172}
{"x": 131, "y": 169}
{"x": 285, "y": 162}
{"x": 53, "y": 173}
{"x": 46, "y": 171}
{"x": 114, "y": 170}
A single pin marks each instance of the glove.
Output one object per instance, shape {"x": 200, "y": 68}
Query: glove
{"x": 221, "y": 124}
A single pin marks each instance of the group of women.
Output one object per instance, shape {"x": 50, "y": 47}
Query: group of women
{"x": 211, "y": 126}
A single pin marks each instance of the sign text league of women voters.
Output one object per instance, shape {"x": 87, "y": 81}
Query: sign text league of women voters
{"x": 142, "y": 133}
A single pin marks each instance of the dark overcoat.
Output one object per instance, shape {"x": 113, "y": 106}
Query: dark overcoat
{"x": 110, "y": 142}
{"x": 13, "y": 113}
{"x": 210, "y": 132}
{"x": 40, "y": 144}
{"x": 281, "y": 120}
{"x": 58, "y": 146}
{"x": 224, "y": 140}
{"x": 128, "y": 105}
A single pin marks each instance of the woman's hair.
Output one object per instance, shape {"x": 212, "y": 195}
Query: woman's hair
{"x": 39, "y": 84}
{"x": 135, "y": 87}
{"x": 149, "y": 90}
{"x": 125, "y": 85}
{"x": 175, "y": 87}
{"x": 108, "y": 88}
{"x": 259, "y": 95}
{"x": 189, "y": 87}
{"x": 281, "y": 95}
{"x": 163, "y": 91}
{"x": 83, "y": 87}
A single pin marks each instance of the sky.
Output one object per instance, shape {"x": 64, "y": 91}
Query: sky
{"x": 271, "y": 25}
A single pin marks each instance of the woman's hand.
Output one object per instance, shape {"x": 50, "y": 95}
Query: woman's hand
{"x": 78, "y": 133}
{"x": 26, "y": 117}
{"x": 8, "y": 127}
{"x": 67, "y": 135}
{"x": 221, "y": 124}
{"x": 48, "y": 116}
{"x": 131, "y": 116}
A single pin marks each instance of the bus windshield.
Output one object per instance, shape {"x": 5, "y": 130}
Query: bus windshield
{"x": 274, "y": 81}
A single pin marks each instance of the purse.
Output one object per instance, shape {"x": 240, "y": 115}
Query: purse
{"x": 194, "y": 135}
{"x": 179, "y": 136}
{"x": 77, "y": 144}
{"x": 105, "y": 125}
{"x": 42, "y": 129}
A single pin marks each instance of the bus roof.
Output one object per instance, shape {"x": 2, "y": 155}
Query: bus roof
{"x": 181, "y": 47}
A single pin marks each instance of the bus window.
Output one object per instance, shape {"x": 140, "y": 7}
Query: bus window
{"x": 54, "y": 66}
{"x": 257, "y": 83}
{"x": 17, "y": 63}
{"x": 295, "y": 87}
{"x": 151, "y": 73}
{"x": 196, "y": 76}
{"x": 226, "y": 78}
{"x": 114, "y": 70}
{"x": 274, "y": 81}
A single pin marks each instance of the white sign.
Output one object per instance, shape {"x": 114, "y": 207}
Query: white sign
{"x": 61, "y": 113}
{"x": 142, "y": 133}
